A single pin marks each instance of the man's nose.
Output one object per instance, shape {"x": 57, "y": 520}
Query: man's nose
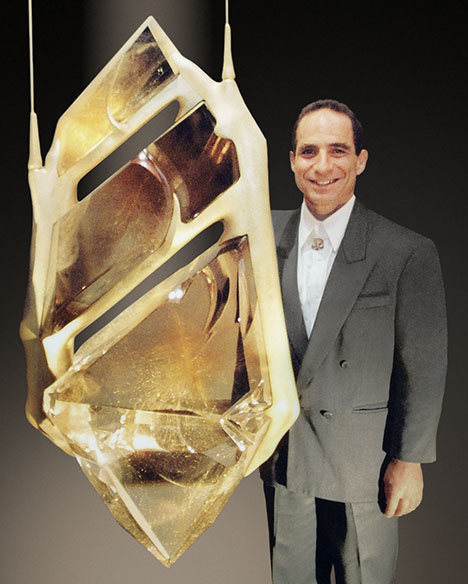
{"x": 322, "y": 162}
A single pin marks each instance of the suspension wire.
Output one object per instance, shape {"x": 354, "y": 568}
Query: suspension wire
{"x": 228, "y": 65}
{"x": 31, "y": 61}
{"x": 35, "y": 159}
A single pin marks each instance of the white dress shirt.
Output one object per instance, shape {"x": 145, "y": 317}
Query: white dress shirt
{"x": 314, "y": 265}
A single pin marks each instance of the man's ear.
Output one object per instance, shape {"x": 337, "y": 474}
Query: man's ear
{"x": 292, "y": 160}
{"x": 362, "y": 161}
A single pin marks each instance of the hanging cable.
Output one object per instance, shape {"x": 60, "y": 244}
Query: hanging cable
{"x": 35, "y": 158}
{"x": 228, "y": 65}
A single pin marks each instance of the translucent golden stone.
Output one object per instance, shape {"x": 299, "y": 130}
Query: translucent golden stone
{"x": 94, "y": 249}
{"x": 113, "y": 101}
{"x": 190, "y": 388}
{"x": 164, "y": 407}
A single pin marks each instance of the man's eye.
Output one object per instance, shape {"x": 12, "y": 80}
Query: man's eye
{"x": 308, "y": 151}
{"x": 339, "y": 151}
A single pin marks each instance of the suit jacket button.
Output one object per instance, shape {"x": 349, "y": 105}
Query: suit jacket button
{"x": 344, "y": 364}
{"x": 326, "y": 414}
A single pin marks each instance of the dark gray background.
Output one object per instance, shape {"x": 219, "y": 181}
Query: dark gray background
{"x": 404, "y": 73}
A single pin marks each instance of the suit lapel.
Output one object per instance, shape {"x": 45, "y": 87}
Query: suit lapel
{"x": 287, "y": 265}
{"x": 346, "y": 279}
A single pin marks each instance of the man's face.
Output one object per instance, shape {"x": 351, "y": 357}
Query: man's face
{"x": 325, "y": 163}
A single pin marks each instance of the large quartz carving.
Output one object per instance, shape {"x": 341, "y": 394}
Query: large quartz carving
{"x": 190, "y": 388}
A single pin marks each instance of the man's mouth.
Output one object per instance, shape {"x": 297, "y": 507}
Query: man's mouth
{"x": 324, "y": 183}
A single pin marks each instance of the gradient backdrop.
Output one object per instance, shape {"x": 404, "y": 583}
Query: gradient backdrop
{"x": 403, "y": 71}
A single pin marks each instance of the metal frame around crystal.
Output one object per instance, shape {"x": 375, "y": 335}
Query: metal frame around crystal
{"x": 100, "y": 120}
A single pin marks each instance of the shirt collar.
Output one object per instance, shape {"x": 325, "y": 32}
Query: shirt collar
{"x": 333, "y": 226}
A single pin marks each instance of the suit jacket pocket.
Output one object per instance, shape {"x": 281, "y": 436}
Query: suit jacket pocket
{"x": 371, "y": 408}
{"x": 372, "y": 300}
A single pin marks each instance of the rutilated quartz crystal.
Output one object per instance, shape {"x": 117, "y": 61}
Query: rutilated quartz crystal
{"x": 190, "y": 388}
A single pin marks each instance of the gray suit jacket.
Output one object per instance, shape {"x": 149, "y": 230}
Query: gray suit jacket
{"x": 371, "y": 377}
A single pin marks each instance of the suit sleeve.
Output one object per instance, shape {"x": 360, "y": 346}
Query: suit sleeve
{"x": 420, "y": 359}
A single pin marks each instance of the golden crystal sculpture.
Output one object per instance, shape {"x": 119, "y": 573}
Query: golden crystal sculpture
{"x": 190, "y": 388}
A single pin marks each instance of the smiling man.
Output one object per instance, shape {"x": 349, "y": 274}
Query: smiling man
{"x": 365, "y": 312}
{"x": 325, "y": 160}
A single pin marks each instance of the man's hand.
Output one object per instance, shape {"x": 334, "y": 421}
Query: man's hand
{"x": 403, "y": 485}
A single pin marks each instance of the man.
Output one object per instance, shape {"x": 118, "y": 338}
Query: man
{"x": 365, "y": 312}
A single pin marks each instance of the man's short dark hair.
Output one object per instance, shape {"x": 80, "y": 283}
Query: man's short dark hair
{"x": 336, "y": 106}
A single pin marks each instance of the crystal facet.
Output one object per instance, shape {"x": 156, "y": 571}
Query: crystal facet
{"x": 93, "y": 253}
{"x": 96, "y": 114}
{"x": 164, "y": 407}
